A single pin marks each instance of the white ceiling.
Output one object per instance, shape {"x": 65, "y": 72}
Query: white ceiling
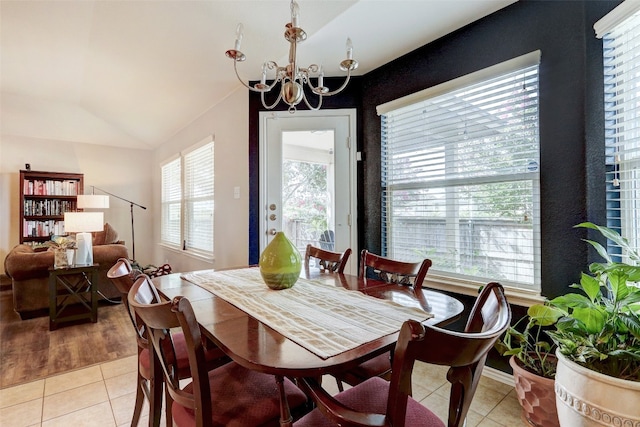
{"x": 133, "y": 73}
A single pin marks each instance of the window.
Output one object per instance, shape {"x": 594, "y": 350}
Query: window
{"x": 460, "y": 177}
{"x": 187, "y": 201}
{"x": 621, "y": 50}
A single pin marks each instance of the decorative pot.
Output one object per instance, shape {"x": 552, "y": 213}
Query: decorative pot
{"x": 280, "y": 263}
{"x": 536, "y": 396}
{"x": 586, "y": 398}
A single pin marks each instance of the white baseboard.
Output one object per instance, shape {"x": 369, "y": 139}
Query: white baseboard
{"x": 498, "y": 375}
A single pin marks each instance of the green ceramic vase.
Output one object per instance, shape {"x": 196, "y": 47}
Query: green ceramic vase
{"x": 280, "y": 263}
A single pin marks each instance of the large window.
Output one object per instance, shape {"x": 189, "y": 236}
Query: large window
{"x": 460, "y": 177}
{"x": 621, "y": 47}
{"x": 187, "y": 200}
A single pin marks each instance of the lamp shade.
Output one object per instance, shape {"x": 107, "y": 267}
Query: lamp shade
{"x": 75, "y": 222}
{"x": 93, "y": 201}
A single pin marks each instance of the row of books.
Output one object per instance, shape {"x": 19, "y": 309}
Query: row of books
{"x": 42, "y": 228}
{"x": 38, "y": 187}
{"x": 48, "y": 207}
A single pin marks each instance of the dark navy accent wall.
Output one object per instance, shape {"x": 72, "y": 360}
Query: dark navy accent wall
{"x": 571, "y": 120}
{"x": 571, "y": 117}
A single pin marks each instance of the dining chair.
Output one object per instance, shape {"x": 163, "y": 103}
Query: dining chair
{"x": 229, "y": 395}
{"x": 122, "y": 275}
{"x": 377, "y": 402}
{"x": 327, "y": 260}
{"x": 393, "y": 271}
{"x": 390, "y": 271}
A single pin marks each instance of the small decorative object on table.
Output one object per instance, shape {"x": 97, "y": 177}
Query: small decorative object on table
{"x": 280, "y": 263}
{"x": 63, "y": 251}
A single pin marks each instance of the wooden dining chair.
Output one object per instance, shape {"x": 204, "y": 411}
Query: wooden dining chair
{"x": 327, "y": 260}
{"x": 377, "y": 402}
{"x": 392, "y": 271}
{"x": 388, "y": 270}
{"x": 229, "y": 395}
{"x": 122, "y": 276}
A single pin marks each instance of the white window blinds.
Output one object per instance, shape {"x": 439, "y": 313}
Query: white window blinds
{"x": 621, "y": 48}
{"x": 198, "y": 177}
{"x": 188, "y": 200}
{"x": 460, "y": 177}
{"x": 171, "y": 203}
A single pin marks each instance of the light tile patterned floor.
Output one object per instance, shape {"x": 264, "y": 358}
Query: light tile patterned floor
{"x": 103, "y": 395}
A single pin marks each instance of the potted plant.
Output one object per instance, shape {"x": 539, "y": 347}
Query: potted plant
{"x": 598, "y": 339}
{"x": 534, "y": 365}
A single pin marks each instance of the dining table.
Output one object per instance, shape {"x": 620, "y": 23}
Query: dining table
{"x": 274, "y": 343}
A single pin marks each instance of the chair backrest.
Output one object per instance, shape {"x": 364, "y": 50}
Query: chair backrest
{"x": 121, "y": 275}
{"x": 464, "y": 352}
{"x": 392, "y": 271}
{"x": 163, "y": 319}
{"x": 329, "y": 260}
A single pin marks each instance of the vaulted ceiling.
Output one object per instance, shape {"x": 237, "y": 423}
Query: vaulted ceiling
{"x": 133, "y": 73}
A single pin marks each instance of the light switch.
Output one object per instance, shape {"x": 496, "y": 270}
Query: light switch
{"x": 236, "y": 192}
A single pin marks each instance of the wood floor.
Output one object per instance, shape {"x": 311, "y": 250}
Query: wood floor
{"x": 29, "y": 351}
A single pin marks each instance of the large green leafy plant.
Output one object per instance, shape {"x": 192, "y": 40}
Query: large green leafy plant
{"x": 601, "y": 329}
{"x": 534, "y": 353}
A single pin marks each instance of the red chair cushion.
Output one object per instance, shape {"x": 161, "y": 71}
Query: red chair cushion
{"x": 371, "y": 396}
{"x": 181, "y": 353}
{"x": 372, "y": 368}
{"x": 241, "y": 398}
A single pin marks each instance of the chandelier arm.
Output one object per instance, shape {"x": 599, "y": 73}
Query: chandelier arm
{"x": 253, "y": 89}
{"x": 269, "y": 107}
{"x": 309, "y": 105}
{"x": 346, "y": 81}
{"x": 235, "y": 68}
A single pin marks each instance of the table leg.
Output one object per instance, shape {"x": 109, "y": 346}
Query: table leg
{"x": 286, "y": 420}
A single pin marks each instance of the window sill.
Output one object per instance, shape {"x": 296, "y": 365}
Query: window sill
{"x": 521, "y": 297}
{"x": 200, "y": 257}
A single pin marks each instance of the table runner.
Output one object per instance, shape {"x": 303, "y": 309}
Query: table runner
{"x": 326, "y": 320}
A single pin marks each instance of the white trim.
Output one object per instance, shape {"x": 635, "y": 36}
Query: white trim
{"x": 623, "y": 11}
{"x": 515, "y": 296}
{"x": 498, "y": 375}
{"x": 526, "y": 60}
{"x": 194, "y": 147}
{"x": 169, "y": 160}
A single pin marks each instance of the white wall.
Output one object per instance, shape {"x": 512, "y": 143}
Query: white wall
{"x": 121, "y": 171}
{"x": 229, "y": 123}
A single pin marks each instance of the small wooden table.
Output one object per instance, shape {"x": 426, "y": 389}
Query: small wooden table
{"x": 73, "y": 294}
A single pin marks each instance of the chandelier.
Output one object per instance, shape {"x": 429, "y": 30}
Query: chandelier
{"x": 292, "y": 78}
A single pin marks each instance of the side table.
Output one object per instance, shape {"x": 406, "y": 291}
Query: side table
{"x": 73, "y": 294}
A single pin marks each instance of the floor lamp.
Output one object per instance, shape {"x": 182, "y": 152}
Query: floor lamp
{"x": 97, "y": 201}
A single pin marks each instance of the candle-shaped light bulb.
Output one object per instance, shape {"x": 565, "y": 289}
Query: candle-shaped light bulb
{"x": 349, "y": 48}
{"x": 295, "y": 14}
{"x": 321, "y": 77}
{"x": 263, "y": 80}
{"x": 239, "y": 30}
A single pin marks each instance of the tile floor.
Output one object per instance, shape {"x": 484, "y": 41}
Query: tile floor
{"x": 103, "y": 395}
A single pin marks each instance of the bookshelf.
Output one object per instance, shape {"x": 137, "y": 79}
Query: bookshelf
{"x": 44, "y": 198}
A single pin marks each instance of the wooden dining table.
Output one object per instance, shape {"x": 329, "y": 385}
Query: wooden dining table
{"x": 256, "y": 346}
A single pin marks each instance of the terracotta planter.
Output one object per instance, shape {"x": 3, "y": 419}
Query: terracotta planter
{"x": 536, "y": 396}
{"x": 587, "y": 398}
